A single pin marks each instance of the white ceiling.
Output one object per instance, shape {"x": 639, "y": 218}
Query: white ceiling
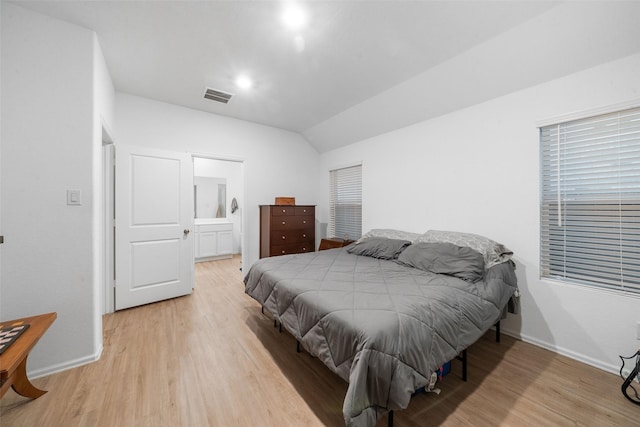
{"x": 355, "y": 71}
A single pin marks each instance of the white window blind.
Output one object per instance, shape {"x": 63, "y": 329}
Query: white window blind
{"x": 590, "y": 201}
{"x": 345, "y": 203}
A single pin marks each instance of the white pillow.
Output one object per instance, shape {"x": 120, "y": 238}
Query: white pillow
{"x": 390, "y": 233}
{"x": 493, "y": 252}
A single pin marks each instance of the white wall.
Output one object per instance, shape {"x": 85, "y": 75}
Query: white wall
{"x": 476, "y": 170}
{"x": 49, "y": 142}
{"x": 276, "y": 162}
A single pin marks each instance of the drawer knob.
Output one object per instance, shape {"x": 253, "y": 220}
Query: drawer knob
{"x": 282, "y": 251}
{"x": 283, "y": 237}
{"x": 283, "y": 222}
{"x": 304, "y": 249}
{"x": 284, "y": 211}
{"x": 304, "y": 235}
{"x": 304, "y": 222}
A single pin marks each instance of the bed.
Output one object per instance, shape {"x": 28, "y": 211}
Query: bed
{"x": 387, "y": 311}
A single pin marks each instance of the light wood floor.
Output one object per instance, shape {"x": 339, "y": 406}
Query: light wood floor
{"x": 212, "y": 359}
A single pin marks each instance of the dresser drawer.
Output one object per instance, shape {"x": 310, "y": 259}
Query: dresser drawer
{"x": 307, "y": 221}
{"x": 289, "y": 236}
{"x": 292, "y": 222}
{"x": 293, "y": 248}
{"x": 305, "y": 210}
{"x": 283, "y": 210}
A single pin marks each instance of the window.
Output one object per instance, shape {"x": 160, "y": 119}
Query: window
{"x": 345, "y": 202}
{"x": 590, "y": 201}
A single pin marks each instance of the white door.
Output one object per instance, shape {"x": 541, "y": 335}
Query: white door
{"x": 154, "y": 219}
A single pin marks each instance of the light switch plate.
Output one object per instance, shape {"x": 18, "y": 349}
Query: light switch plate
{"x": 74, "y": 197}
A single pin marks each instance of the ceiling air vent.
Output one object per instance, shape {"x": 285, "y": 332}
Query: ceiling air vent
{"x": 217, "y": 95}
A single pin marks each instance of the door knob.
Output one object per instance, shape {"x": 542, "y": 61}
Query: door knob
{"x": 186, "y": 231}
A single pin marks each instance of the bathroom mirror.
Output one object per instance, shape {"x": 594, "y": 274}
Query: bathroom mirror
{"x": 210, "y": 197}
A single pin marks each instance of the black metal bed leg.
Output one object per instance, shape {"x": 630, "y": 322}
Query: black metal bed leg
{"x": 498, "y": 331}
{"x": 298, "y": 346}
{"x": 262, "y": 310}
{"x": 280, "y": 327}
{"x": 390, "y": 423}
{"x": 464, "y": 365}
{"x": 463, "y": 358}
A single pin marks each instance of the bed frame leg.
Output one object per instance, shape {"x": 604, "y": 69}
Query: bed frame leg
{"x": 463, "y": 358}
{"x": 298, "y": 346}
{"x": 498, "y": 331}
{"x": 464, "y": 365}
{"x": 280, "y": 327}
{"x": 262, "y": 310}
{"x": 390, "y": 423}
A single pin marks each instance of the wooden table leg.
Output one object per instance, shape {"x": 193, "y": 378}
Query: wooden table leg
{"x": 22, "y": 385}
{"x": 13, "y": 361}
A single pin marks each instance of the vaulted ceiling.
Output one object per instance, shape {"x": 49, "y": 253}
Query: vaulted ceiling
{"x": 358, "y": 68}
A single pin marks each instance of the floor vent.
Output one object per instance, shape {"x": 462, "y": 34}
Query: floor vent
{"x": 217, "y": 95}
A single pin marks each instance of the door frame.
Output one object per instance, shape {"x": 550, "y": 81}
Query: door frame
{"x": 108, "y": 180}
{"x": 108, "y": 221}
{"x": 243, "y": 173}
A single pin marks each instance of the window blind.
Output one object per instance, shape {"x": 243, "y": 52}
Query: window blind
{"x": 590, "y": 201}
{"x": 345, "y": 203}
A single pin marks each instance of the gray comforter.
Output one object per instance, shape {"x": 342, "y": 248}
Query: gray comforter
{"x": 382, "y": 327}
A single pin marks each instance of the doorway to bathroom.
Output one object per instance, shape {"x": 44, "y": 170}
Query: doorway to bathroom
{"x": 218, "y": 189}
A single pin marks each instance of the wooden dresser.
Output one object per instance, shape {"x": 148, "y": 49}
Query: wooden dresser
{"x": 287, "y": 229}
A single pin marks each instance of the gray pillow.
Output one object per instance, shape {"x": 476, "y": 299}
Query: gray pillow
{"x": 445, "y": 258}
{"x": 378, "y": 247}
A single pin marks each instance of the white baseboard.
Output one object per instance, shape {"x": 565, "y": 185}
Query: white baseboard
{"x": 564, "y": 352}
{"x": 54, "y": 369}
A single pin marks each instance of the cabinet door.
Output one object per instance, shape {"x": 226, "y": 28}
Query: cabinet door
{"x": 225, "y": 242}
{"x": 208, "y": 243}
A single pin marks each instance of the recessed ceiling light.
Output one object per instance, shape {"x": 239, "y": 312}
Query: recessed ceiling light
{"x": 294, "y": 17}
{"x": 244, "y": 82}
